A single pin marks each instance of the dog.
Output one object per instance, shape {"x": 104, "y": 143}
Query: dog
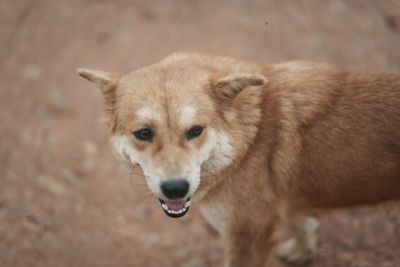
{"x": 258, "y": 147}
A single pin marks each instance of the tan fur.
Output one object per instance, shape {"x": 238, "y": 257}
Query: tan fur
{"x": 290, "y": 139}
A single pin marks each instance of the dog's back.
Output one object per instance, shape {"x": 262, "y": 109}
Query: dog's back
{"x": 346, "y": 133}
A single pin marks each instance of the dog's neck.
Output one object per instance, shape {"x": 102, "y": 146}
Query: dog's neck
{"x": 228, "y": 156}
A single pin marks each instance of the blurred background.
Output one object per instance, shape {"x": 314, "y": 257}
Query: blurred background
{"x": 65, "y": 200}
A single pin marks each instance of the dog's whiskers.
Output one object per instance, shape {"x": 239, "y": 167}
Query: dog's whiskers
{"x": 141, "y": 189}
{"x": 133, "y": 170}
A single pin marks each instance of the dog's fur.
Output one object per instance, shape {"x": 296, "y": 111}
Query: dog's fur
{"x": 279, "y": 142}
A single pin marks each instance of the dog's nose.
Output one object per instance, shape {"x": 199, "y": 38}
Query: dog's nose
{"x": 175, "y": 189}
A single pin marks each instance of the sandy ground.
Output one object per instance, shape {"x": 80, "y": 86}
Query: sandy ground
{"x": 64, "y": 198}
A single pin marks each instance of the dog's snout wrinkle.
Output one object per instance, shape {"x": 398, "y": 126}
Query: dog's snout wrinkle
{"x": 175, "y": 189}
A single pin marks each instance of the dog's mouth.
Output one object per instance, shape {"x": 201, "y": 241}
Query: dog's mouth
{"x": 175, "y": 208}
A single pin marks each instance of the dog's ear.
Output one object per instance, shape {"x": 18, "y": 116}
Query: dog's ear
{"x": 231, "y": 85}
{"x": 105, "y": 80}
{"x": 108, "y": 83}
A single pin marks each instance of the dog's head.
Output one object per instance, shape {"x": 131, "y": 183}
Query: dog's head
{"x": 182, "y": 120}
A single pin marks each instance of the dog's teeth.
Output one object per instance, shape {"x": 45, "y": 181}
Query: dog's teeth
{"x": 174, "y": 211}
{"x": 187, "y": 204}
{"x": 164, "y": 206}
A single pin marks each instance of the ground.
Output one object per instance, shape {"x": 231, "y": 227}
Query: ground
{"x": 65, "y": 200}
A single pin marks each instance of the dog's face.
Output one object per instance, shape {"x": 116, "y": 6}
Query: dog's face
{"x": 168, "y": 120}
{"x": 165, "y": 127}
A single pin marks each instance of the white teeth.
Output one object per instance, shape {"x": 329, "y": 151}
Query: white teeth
{"x": 175, "y": 211}
{"x": 182, "y": 210}
{"x": 187, "y": 204}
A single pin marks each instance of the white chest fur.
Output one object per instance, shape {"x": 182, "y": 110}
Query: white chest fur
{"x": 218, "y": 215}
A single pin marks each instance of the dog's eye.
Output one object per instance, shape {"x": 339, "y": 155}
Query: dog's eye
{"x": 194, "y": 132}
{"x": 145, "y": 134}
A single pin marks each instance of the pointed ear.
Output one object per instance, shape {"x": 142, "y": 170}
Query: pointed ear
{"x": 108, "y": 83}
{"x": 231, "y": 85}
{"x": 104, "y": 80}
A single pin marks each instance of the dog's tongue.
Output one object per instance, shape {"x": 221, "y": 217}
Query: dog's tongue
{"x": 175, "y": 205}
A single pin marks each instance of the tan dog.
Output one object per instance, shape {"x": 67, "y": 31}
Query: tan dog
{"x": 258, "y": 147}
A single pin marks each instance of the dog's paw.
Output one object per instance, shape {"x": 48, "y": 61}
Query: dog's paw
{"x": 300, "y": 251}
{"x": 291, "y": 252}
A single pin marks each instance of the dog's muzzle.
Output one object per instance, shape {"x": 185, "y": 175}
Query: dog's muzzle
{"x": 176, "y": 203}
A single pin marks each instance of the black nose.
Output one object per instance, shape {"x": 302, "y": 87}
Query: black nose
{"x": 175, "y": 189}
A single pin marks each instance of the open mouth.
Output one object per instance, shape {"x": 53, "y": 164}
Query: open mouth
{"x": 175, "y": 208}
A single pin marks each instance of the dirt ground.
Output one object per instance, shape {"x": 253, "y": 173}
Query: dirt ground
{"x": 65, "y": 200}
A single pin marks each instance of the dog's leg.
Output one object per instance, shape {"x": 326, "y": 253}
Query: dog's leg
{"x": 302, "y": 244}
{"x": 249, "y": 245}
